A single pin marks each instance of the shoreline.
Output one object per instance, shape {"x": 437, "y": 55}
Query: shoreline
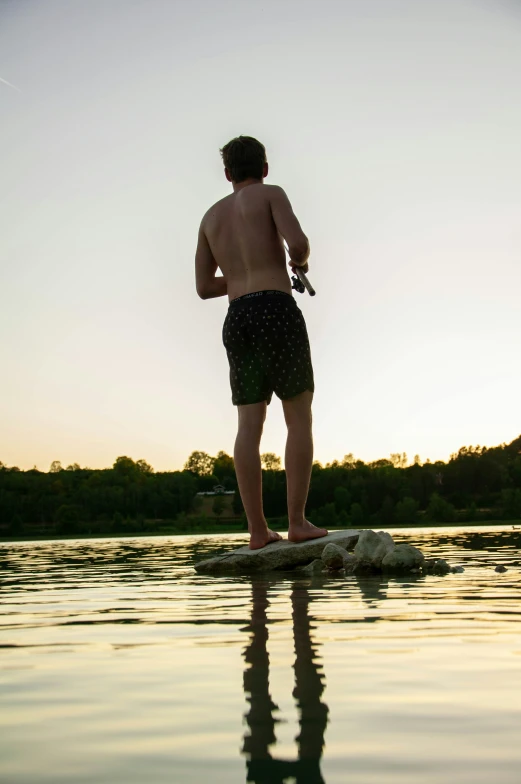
{"x": 510, "y": 525}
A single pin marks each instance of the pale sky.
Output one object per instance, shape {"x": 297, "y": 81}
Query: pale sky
{"x": 394, "y": 127}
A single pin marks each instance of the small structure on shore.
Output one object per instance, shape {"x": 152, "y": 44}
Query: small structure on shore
{"x": 217, "y": 490}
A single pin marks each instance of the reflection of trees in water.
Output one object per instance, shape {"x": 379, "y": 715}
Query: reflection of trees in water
{"x": 491, "y": 540}
{"x": 373, "y": 590}
{"x": 105, "y": 560}
{"x": 438, "y": 541}
{"x": 262, "y": 768}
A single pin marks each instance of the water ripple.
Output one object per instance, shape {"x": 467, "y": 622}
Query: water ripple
{"x": 118, "y": 663}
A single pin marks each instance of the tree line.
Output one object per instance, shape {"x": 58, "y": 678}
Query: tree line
{"x": 476, "y": 484}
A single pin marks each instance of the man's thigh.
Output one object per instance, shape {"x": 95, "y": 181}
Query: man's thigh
{"x": 248, "y": 380}
{"x": 291, "y": 372}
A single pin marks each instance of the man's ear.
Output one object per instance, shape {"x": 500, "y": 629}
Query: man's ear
{"x": 227, "y": 175}
{"x": 265, "y": 170}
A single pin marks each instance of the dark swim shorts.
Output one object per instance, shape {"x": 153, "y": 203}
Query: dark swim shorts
{"x": 266, "y": 340}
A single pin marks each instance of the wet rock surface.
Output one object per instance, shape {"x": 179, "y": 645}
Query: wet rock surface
{"x": 372, "y": 548}
{"x": 276, "y": 556}
{"x": 333, "y": 556}
{"x": 436, "y": 566}
{"x": 350, "y": 563}
{"x": 403, "y": 558}
{"x": 314, "y": 568}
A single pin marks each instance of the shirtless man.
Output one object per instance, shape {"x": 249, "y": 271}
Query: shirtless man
{"x": 264, "y": 331}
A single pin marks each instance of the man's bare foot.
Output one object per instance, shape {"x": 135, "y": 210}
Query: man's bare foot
{"x": 262, "y": 539}
{"x": 305, "y": 531}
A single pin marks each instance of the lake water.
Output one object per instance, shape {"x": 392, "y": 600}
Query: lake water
{"x": 118, "y": 663}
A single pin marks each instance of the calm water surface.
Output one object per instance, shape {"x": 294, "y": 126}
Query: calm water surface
{"x": 119, "y": 664}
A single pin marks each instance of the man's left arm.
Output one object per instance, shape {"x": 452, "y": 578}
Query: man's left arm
{"x": 206, "y": 284}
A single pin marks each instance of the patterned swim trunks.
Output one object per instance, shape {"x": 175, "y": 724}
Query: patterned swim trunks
{"x": 266, "y": 340}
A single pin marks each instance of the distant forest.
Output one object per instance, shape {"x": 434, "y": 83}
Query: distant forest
{"x": 477, "y": 484}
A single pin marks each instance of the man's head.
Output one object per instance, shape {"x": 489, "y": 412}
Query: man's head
{"x": 244, "y": 158}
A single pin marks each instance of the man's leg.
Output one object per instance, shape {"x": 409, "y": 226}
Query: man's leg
{"x": 298, "y": 462}
{"x": 249, "y": 474}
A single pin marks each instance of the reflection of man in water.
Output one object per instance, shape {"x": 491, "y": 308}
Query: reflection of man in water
{"x": 262, "y": 768}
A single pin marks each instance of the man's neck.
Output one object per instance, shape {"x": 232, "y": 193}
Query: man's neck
{"x": 238, "y": 186}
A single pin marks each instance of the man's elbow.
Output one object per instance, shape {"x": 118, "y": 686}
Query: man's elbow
{"x": 202, "y": 286}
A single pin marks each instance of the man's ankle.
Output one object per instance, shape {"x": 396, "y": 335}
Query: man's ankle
{"x": 259, "y": 526}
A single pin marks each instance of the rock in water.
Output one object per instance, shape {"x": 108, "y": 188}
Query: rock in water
{"x": 350, "y": 563}
{"x": 372, "y": 548}
{"x": 403, "y": 558}
{"x": 315, "y": 567}
{"x": 440, "y": 567}
{"x": 333, "y": 556}
{"x": 501, "y": 569}
{"x": 275, "y": 556}
{"x": 457, "y": 569}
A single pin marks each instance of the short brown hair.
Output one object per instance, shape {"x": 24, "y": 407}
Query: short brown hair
{"x": 244, "y": 157}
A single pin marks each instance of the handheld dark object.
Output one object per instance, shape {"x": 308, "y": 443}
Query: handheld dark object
{"x": 300, "y": 283}
{"x": 297, "y": 285}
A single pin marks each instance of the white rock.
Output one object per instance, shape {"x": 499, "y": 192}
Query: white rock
{"x": 403, "y": 558}
{"x": 372, "y": 547}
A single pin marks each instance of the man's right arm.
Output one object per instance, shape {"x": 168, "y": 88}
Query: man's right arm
{"x": 288, "y": 226}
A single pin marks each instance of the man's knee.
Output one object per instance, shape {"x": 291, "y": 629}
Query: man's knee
{"x": 252, "y": 418}
{"x": 297, "y": 410}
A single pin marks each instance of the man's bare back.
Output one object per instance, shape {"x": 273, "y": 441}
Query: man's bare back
{"x": 243, "y": 234}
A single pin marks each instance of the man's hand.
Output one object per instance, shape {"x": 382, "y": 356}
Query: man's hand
{"x": 303, "y": 266}
{"x": 214, "y": 287}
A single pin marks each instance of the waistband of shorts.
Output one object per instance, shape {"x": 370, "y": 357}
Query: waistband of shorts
{"x": 258, "y": 295}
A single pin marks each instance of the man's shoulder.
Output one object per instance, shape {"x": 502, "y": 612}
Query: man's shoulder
{"x": 276, "y": 194}
{"x": 273, "y": 189}
{"x": 215, "y": 208}
{"x": 262, "y": 192}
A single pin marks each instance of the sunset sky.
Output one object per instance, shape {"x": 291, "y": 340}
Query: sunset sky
{"x": 394, "y": 127}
